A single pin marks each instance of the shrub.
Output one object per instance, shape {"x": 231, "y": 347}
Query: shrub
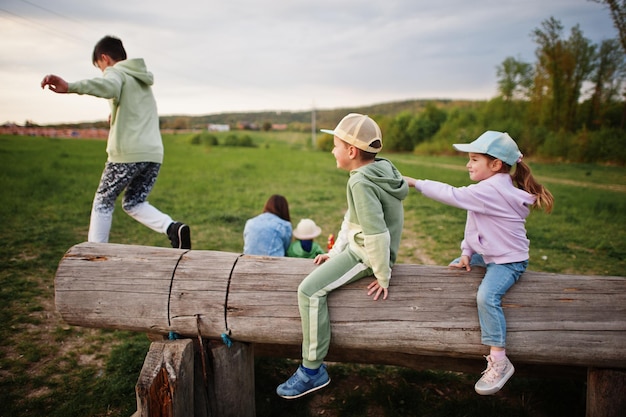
{"x": 606, "y": 145}
{"x": 204, "y": 138}
{"x": 233, "y": 140}
{"x": 325, "y": 142}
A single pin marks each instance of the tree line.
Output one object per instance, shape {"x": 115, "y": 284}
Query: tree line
{"x": 568, "y": 105}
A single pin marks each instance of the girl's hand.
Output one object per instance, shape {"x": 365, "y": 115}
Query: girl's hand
{"x": 464, "y": 262}
{"x": 374, "y": 287}
{"x": 320, "y": 259}
{"x": 410, "y": 181}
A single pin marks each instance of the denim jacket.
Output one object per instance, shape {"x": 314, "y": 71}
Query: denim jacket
{"x": 266, "y": 234}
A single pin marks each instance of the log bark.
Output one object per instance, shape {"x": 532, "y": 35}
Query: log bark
{"x": 431, "y": 311}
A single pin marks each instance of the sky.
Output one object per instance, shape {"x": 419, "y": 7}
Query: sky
{"x": 217, "y": 56}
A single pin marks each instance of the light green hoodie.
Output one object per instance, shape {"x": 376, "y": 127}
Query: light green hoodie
{"x": 134, "y": 134}
{"x": 375, "y": 215}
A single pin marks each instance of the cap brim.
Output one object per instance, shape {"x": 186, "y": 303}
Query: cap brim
{"x": 467, "y": 147}
{"x": 330, "y": 132}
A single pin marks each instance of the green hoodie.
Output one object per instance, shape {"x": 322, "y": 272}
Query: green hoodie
{"x": 375, "y": 215}
{"x": 134, "y": 134}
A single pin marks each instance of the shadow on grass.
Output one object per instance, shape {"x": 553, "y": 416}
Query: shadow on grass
{"x": 388, "y": 391}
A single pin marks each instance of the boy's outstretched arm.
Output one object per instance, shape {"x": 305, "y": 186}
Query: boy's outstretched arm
{"x": 54, "y": 83}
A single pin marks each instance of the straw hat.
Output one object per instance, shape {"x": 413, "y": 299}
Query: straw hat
{"x": 306, "y": 230}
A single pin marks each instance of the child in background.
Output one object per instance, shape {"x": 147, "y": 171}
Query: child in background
{"x": 495, "y": 235}
{"x": 134, "y": 146}
{"x": 374, "y": 221}
{"x": 304, "y": 246}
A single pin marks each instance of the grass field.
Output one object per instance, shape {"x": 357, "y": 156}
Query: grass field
{"x": 48, "y": 368}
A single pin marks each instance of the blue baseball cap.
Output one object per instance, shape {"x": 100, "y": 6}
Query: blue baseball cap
{"x": 497, "y": 144}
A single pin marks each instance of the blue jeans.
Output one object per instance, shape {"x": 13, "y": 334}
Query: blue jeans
{"x": 496, "y": 282}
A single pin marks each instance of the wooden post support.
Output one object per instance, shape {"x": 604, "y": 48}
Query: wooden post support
{"x": 166, "y": 383}
{"x": 176, "y": 381}
{"x": 231, "y": 380}
{"x": 606, "y": 392}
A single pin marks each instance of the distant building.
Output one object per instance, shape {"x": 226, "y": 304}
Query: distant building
{"x": 214, "y": 127}
{"x": 247, "y": 126}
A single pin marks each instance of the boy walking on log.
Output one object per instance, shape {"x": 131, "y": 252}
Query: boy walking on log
{"x": 374, "y": 224}
{"x": 134, "y": 146}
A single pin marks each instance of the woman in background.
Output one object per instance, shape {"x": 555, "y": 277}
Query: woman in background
{"x": 269, "y": 233}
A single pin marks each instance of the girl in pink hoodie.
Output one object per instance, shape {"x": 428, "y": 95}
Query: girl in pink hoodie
{"x": 495, "y": 235}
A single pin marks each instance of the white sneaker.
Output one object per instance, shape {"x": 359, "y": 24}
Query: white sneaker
{"x": 495, "y": 376}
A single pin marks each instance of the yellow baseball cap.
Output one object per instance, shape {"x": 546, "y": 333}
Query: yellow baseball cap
{"x": 358, "y": 130}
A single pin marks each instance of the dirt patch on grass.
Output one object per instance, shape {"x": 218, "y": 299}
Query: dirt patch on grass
{"x": 413, "y": 247}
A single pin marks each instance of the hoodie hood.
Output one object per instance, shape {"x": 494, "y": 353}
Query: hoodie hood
{"x": 137, "y": 69}
{"x": 385, "y": 175}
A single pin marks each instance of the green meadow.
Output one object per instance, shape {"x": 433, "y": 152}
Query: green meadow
{"x": 48, "y": 368}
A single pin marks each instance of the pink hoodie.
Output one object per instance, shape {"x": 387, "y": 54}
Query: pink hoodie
{"x": 496, "y": 216}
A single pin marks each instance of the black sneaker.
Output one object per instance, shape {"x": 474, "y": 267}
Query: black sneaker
{"x": 179, "y": 235}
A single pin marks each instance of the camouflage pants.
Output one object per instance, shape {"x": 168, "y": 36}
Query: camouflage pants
{"x": 136, "y": 181}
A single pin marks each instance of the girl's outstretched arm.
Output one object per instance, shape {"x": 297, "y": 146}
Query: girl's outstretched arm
{"x": 410, "y": 181}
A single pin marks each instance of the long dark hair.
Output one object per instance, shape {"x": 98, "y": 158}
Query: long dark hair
{"x": 277, "y": 204}
{"x": 523, "y": 178}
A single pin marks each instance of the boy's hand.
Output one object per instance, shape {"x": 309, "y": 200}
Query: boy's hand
{"x": 54, "y": 83}
{"x": 374, "y": 287}
{"x": 320, "y": 259}
{"x": 464, "y": 262}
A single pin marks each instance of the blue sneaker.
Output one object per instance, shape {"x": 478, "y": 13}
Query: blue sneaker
{"x": 302, "y": 383}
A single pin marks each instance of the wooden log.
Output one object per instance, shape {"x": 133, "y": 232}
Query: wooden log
{"x": 431, "y": 311}
{"x": 125, "y": 280}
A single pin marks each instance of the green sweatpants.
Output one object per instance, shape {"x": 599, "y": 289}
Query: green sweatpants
{"x": 312, "y": 292}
